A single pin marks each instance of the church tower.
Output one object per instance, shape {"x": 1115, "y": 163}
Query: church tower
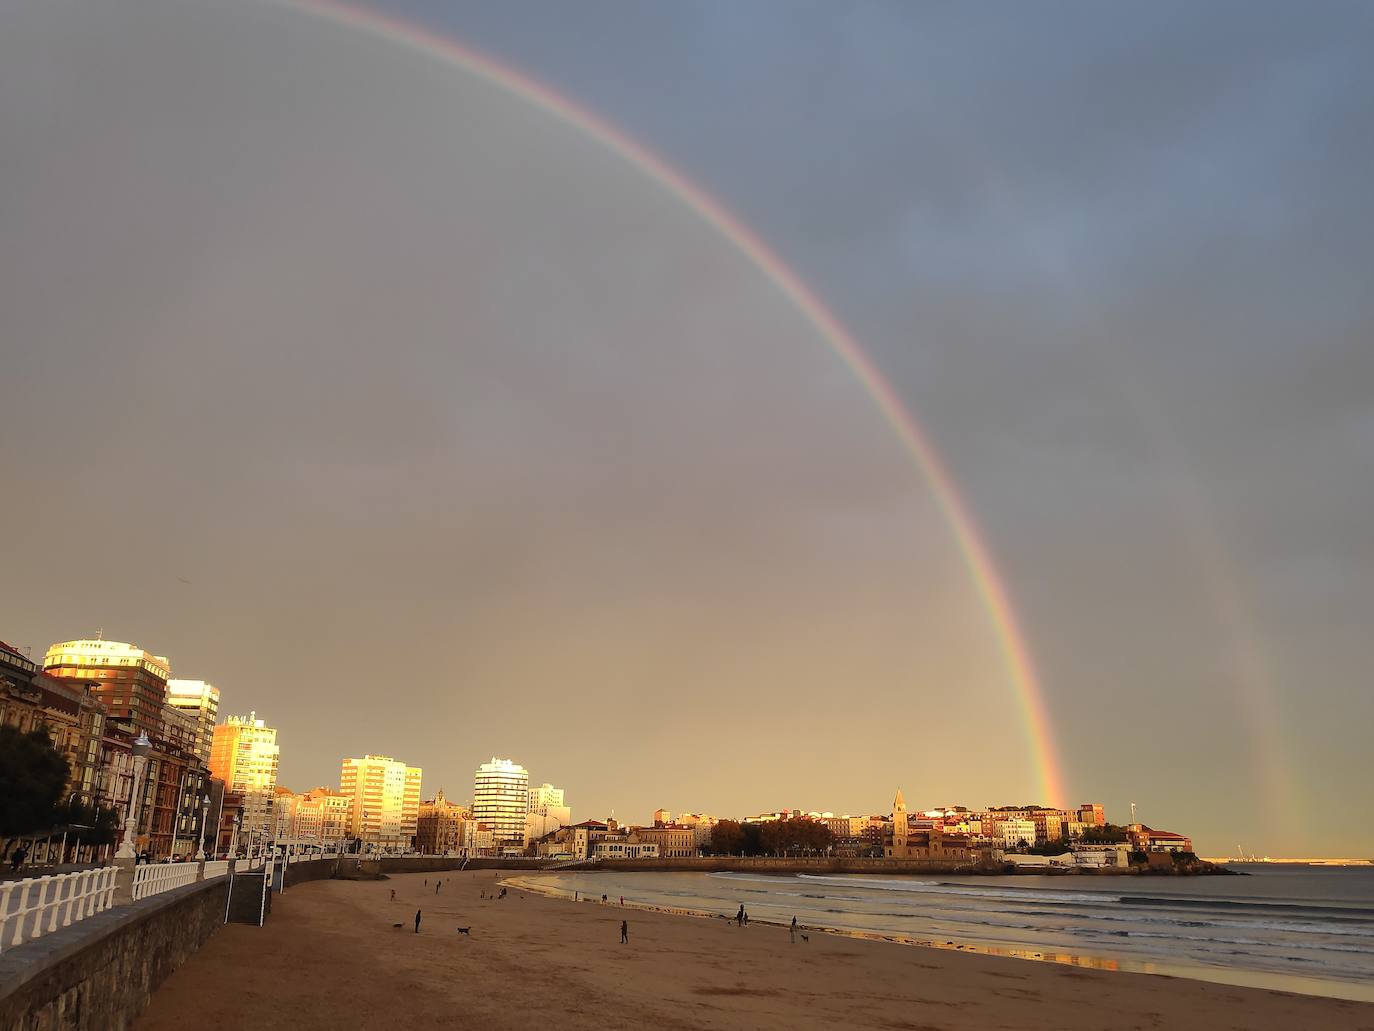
{"x": 899, "y": 829}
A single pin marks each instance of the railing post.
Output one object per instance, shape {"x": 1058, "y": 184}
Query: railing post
{"x": 200, "y": 870}
{"x": 124, "y": 880}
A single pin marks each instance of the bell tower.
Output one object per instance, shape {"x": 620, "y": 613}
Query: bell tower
{"x": 899, "y": 828}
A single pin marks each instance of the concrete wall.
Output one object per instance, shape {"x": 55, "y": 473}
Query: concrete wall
{"x": 97, "y": 975}
{"x": 769, "y": 864}
{"x": 247, "y": 904}
{"x": 432, "y": 864}
{"x": 311, "y": 870}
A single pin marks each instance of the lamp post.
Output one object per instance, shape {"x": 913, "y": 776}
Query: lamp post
{"x": 234, "y": 839}
{"x": 62, "y": 856}
{"x": 140, "y": 751}
{"x": 176, "y": 811}
{"x": 204, "y": 818}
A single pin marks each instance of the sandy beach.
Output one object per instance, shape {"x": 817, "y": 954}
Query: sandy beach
{"x": 330, "y": 957}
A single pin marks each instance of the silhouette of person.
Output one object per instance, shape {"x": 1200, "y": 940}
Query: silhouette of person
{"x": 624, "y": 932}
{"x": 793, "y": 930}
{"x": 417, "y": 921}
{"x": 739, "y": 917}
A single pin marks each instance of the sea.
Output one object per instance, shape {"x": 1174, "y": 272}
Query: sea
{"x": 1294, "y": 927}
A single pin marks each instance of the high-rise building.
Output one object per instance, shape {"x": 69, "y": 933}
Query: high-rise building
{"x": 546, "y": 812}
{"x": 385, "y": 794}
{"x": 501, "y": 799}
{"x": 200, "y": 700}
{"x": 130, "y": 682}
{"x": 244, "y": 754}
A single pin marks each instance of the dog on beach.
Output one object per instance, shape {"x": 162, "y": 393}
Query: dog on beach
{"x": 805, "y": 938}
{"x": 465, "y": 930}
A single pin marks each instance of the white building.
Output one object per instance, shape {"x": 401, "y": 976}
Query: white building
{"x": 625, "y": 847}
{"x": 1012, "y": 833}
{"x": 501, "y": 799}
{"x": 200, "y": 701}
{"x": 546, "y": 812}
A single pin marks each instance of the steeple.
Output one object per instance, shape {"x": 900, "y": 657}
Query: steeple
{"x": 899, "y": 827}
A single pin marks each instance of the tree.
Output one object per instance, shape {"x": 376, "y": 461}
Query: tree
{"x": 85, "y": 824}
{"x": 752, "y": 845}
{"x": 727, "y": 838}
{"x": 32, "y": 776}
{"x": 797, "y": 836}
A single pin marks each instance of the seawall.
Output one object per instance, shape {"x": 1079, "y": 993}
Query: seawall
{"x": 98, "y": 974}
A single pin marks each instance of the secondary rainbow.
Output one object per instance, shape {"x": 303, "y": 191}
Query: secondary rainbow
{"x": 991, "y": 590}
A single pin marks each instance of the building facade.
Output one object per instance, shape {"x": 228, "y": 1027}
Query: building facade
{"x": 501, "y": 798}
{"x": 130, "y": 682}
{"x": 323, "y": 817}
{"x": 73, "y": 719}
{"x": 385, "y": 797}
{"x": 439, "y": 828}
{"x": 673, "y": 841}
{"x": 200, "y": 701}
{"x": 546, "y": 812}
{"x": 244, "y": 754}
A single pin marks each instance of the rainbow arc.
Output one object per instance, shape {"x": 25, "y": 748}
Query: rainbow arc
{"x": 988, "y": 584}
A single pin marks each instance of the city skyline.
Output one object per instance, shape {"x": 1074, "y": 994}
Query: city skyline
{"x": 387, "y": 823}
{"x": 539, "y": 405}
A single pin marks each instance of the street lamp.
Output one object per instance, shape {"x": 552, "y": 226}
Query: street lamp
{"x": 204, "y": 818}
{"x": 234, "y": 839}
{"x": 140, "y": 751}
{"x": 62, "y": 856}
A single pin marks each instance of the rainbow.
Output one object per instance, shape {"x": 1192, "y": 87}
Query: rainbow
{"x": 991, "y": 590}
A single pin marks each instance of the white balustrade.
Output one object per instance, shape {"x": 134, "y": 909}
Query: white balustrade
{"x": 37, "y": 906}
{"x": 155, "y": 878}
{"x": 216, "y": 868}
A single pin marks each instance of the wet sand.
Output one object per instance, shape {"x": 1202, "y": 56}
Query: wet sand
{"x": 329, "y": 957}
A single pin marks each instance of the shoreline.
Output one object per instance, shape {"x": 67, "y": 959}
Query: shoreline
{"x": 346, "y": 954}
{"x": 886, "y": 867}
{"x": 1315, "y": 987}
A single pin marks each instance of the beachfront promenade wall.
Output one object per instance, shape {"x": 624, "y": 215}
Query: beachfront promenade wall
{"x": 772, "y": 864}
{"x": 98, "y": 974}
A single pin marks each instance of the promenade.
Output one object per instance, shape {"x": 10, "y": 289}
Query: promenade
{"x": 329, "y": 957}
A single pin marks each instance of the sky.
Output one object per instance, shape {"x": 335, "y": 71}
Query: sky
{"x": 424, "y": 424}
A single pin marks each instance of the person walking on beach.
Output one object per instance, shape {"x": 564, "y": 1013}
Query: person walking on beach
{"x": 393, "y": 894}
{"x": 417, "y": 921}
{"x": 624, "y": 932}
{"x": 739, "y": 917}
{"x": 437, "y": 886}
{"x": 793, "y": 930}
{"x": 622, "y": 900}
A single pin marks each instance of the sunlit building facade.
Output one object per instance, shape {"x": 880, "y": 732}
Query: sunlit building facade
{"x": 385, "y": 797}
{"x": 131, "y": 682}
{"x": 199, "y": 700}
{"x": 546, "y": 812}
{"x": 244, "y": 754}
{"x": 323, "y": 817}
{"x": 439, "y": 828}
{"x": 501, "y": 799}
